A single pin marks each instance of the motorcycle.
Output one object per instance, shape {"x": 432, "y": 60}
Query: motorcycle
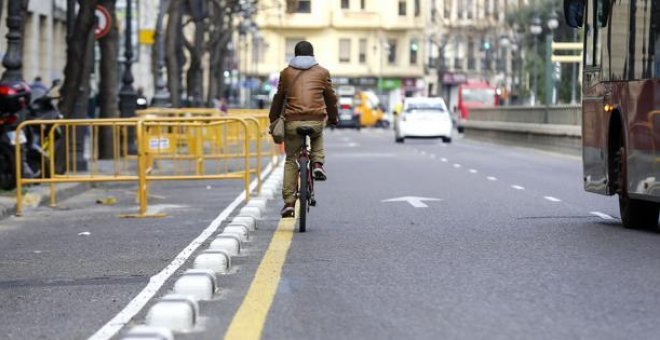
{"x": 14, "y": 100}
{"x": 38, "y": 151}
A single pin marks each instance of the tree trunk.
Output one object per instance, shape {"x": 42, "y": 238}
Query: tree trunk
{"x": 77, "y": 47}
{"x": 172, "y": 61}
{"x": 109, "y": 84}
{"x": 195, "y": 82}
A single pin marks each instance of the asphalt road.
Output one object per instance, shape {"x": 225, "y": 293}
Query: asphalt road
{"x": 511, "y": 248}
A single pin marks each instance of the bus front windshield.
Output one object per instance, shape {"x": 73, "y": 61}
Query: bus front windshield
{"x": 481, "y": 96}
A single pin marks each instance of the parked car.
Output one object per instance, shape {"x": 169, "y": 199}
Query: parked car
{"x": 423, "y": 117}
{"x": 349, "y": 116}
{"x": 368, "y": 104}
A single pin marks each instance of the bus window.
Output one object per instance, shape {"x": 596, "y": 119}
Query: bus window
{"x": 614, "y": 57}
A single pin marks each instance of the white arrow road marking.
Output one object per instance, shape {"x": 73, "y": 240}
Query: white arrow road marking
{"x": 518, "y": 187}
{"x": 416, "y": 202}
{"x": 603, "y": 215}
{"x": 552, "y": 199}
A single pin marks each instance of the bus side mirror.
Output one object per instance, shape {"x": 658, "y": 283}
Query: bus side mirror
{"x": 574, "y": 13}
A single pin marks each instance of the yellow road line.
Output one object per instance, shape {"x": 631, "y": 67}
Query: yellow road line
{"x": 248, "y": 323}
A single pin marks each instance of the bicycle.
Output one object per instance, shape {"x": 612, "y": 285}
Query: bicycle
{"x": 305, "y": 180}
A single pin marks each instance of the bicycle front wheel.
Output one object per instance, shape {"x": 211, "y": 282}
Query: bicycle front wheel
{"x": 302, "y": 196}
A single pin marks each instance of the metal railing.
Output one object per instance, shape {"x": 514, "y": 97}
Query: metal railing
{"x": 170, "y": 147}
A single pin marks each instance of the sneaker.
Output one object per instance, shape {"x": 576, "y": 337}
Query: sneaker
{"x": 288, "y": 211}
{"x": 318, "y": 172}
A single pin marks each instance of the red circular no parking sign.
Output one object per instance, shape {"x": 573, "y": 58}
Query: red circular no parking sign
{"x": 103, "y": 22}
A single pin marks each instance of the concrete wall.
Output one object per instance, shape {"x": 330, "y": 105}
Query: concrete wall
{"x": 555, "y": 129}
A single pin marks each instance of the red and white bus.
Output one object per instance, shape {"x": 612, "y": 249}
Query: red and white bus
{"x": 474, "y": 94}
{"x": 621, "y": 103}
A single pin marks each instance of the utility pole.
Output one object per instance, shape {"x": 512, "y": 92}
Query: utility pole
{"x": 127, "y": 96}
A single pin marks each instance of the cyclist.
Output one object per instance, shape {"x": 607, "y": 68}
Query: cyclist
{"x": 310, "y": 100}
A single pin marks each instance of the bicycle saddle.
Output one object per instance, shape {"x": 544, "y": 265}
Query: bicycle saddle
{"x": 305, "y": 131}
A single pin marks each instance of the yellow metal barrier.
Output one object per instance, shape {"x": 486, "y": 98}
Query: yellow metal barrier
{"x": 163, "y": 145}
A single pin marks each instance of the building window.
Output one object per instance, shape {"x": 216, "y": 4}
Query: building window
{"x": 414, "y": 51}
{"x": 345, "y": 4}
{"x": 472, "y": 63}
{"x": 461, "y": 9}
{"x": 417, "y": 8}
{"x": 362, "y": 58}
{"x": 402, "y": 7}
{"x": 470, "y": 9}
{"x": 290, "y": 45}
{"x": 363, "y": 4}
{"x": 344, "y": 50}
{"x": 496, "y": 5}
{"x": 303, "y": 6}
{"x": 447, "y": 8}
{"x": 391, "y": 51}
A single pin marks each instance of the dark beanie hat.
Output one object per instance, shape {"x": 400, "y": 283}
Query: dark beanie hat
{"x": 304, "y": 48}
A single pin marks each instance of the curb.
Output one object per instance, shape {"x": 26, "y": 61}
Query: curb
{"x": 63, "y": 191}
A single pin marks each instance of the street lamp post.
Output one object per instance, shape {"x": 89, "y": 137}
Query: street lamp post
{"x": 127, "y": 96}
{"x": 161, "y": 95}
{"x": 553, "y": 23}
{"x": 12, "y": 60}
{"x": 535, "y": 29}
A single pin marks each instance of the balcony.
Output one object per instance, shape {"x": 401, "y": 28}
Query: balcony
{"x": 356, "y": 19}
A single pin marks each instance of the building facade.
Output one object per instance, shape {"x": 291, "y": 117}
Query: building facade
{"x": 469, "y": 40}
{"x": 374, "y": 45}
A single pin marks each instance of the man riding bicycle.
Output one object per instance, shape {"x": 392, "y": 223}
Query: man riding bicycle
{"x": 310, "y": 99}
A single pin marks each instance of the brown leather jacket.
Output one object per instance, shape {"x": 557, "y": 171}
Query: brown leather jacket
{"x": 311, "y": 97}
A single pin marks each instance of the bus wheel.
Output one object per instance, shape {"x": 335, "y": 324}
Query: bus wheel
{"x": 635, "y": 214}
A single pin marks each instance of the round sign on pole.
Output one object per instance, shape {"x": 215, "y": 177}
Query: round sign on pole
{"x": 103, "y": 22}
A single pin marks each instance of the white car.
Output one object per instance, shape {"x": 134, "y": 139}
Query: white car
{"x": 423, "y": 117}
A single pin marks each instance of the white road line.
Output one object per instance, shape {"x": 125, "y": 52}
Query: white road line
{"x": 603, "y": 215}
{"x": 518, "y": 187}
{"x": 456, "y": 165}
{"x": 157, "y": 281}
{"x": 552, "y": 199}
{"x": 473, "y": 171}
{"x": 444, "y": 160}
{"x": 491, "y": 178}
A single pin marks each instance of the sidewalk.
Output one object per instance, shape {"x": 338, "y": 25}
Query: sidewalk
{"x": 39, "y": 195}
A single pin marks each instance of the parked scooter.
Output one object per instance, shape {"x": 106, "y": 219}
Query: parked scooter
{"x": 38, "y": 151}
{"x": 14, "y": 100}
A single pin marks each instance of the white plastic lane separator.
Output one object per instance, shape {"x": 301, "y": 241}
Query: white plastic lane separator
{"x": 113, "y": 326}
{"x": 199, "y": 283}
{"x": 250, "y": 211}
{"x": 176, "y": 312}
{"x": 249, "y": 222}
{"x": 456, "y": 165}
{"x": 241, "y": 231}
{"x": 228, "y": 243}
{"x": 416, "y": 202}
{"x": 603, "y": 215}
{"x": 216, "y": 260}
{"x": 444, "y": 160}
{"x": 518, "y": 187}
{"x": 143, "y": 332}
{"x": 552, "y": 199}
{"x": 473, "y": 171}
{"x": 491, "y": 178}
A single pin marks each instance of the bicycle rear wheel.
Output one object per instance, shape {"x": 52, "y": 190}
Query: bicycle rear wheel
{"x": 302, "y": 196}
